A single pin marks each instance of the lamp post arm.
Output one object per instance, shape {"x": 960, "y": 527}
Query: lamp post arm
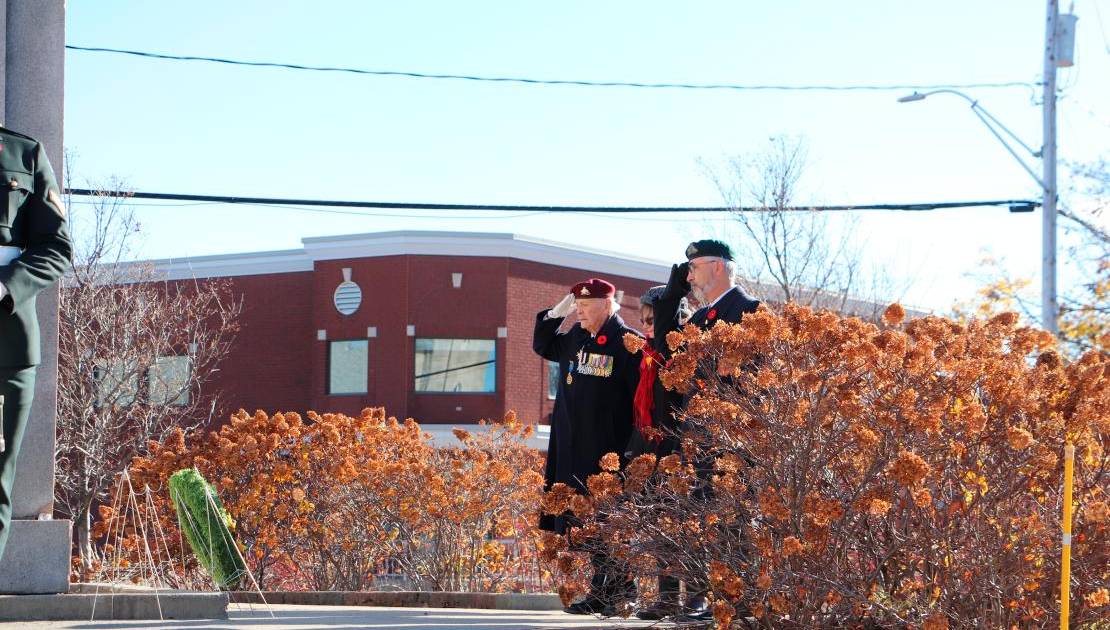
{"x": 980, "y": 108}
{"x": 1009, "y": 148}
{"x": 922, "y": 96}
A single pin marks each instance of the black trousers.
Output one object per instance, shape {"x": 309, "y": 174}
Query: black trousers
{"x": 17, "y": 386}
{"x": 611, "y": 581}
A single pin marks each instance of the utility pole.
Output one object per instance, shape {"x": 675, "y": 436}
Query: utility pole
{"x": 1049, "y": 313}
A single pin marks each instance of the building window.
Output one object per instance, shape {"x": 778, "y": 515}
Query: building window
{"x": 552, "y": 379}
{"x": 168, "y": 381}
{"x": 348, "y": 363}
{"x": 117, "y": 384}
{"x": 456, "y": 365}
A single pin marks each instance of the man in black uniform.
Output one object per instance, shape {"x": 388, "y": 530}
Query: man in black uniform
{"x": 712, "y": 277}
{"x": 35, "y": 251}
{"x": 711, "y": 274}
{"x": 593, "y": 411}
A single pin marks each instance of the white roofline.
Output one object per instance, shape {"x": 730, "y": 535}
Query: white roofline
{"x": 412, "y": 243}
{"x": 433, "y": 243}
{"x": 224, "y": 265}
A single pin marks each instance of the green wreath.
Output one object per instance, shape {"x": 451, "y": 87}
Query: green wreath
{"x": 207, "y": 527}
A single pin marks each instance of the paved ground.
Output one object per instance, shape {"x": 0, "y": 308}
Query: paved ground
{"x": 352, "y": 618}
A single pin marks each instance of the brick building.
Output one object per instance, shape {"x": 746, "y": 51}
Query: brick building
{"x": 436, "y": 326}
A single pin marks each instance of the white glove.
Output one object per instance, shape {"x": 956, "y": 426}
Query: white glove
{"x": 3, "y": 290}
{"x": 563, "y": 308}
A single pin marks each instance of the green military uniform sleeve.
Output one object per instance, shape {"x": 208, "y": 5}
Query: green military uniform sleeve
{"x": 41, "y": 232}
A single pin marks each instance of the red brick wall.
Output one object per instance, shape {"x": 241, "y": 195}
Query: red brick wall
{"x": 268, "y": 368}
{"x": 385, "y": 285}
{"x": 474, "y": 311}
{"x": 278, "y": 363}
{"x": 399, "y": 291}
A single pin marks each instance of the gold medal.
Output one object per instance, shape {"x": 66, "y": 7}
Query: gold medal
{"x": 570, "y": 379}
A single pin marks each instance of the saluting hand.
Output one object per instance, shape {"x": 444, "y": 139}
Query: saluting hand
{"x": 678, "y": 285}
{"x": 563, "y": 308}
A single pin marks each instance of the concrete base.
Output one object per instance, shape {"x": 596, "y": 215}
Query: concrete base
{"x": 361, "y": 618}
{"x": 407, "y": 599}
{"x": 105, "y": 588}
{"x": 167, "y": 605}
{"x": 36, "y": 559}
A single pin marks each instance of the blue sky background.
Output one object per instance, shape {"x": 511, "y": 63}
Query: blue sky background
{"x": 190, "y": 127}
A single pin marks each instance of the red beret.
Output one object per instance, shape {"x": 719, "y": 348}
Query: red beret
{"x": 593, "y": 288}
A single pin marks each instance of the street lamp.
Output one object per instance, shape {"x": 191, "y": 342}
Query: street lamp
{"x": 1048, "y": 204}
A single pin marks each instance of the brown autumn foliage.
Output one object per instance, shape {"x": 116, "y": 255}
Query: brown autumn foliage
{"x": 324, "y": 503}
{"x": 849, "y": 475}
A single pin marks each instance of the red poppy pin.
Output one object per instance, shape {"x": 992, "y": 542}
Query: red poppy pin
{"x": 601, "y": 339}
{"x": 712, "y": 313}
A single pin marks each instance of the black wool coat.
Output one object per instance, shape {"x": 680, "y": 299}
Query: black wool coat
{"x": 666, "y": 404}
{"x": 593, "y": 404}
{"x": 730, "y": 308}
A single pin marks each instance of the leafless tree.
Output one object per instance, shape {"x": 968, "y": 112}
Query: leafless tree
{"x": 1084, "y": 268}
{"x": 136, "y": 355}
{"x": 789, "y": 251}
{"x": 1084, "y": 302}
{"x": 1093, "y": 221}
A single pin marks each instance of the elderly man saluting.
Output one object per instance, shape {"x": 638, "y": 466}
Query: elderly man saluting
{"x": 711, "y": 273}
{"x": 593, "y": 412}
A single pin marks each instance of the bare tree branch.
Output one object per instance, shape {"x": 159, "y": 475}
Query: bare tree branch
{"x": 136, "y": 355}
{"x": 796, "y": 256}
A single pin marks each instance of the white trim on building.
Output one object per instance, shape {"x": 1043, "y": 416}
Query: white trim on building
{"x": 412, "y": 243}
{"x": 434, "y": 243}
{"x": 224, "y": 265}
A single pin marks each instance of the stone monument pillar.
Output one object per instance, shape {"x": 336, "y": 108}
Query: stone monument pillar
{"x": 32, "y": 62}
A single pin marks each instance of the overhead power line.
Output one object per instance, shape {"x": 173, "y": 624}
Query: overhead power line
{"x": 575, "y": 82}
{"x": 1015, "y": 205}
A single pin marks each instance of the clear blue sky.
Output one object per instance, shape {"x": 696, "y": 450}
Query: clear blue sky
{"x": 200, "y": 128}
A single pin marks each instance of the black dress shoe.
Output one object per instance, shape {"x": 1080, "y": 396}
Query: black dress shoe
{"x": 624, "y": 592}
{"x": 591, "y": 605}
{"x": 705, "y": 615}
{"x": 697, "y": 609}
{"x": 658, "y": 611}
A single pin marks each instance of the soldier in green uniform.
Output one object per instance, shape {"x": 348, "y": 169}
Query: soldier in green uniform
{"x": 35, "y": 250}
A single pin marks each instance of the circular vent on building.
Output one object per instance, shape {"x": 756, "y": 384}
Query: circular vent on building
{"x": 348, "y": 295}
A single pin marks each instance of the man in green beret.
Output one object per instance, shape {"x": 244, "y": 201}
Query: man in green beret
{"x": 711, "y": 273}
{"x": 710, "y": 276}
{"x": 35, "y": 251}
